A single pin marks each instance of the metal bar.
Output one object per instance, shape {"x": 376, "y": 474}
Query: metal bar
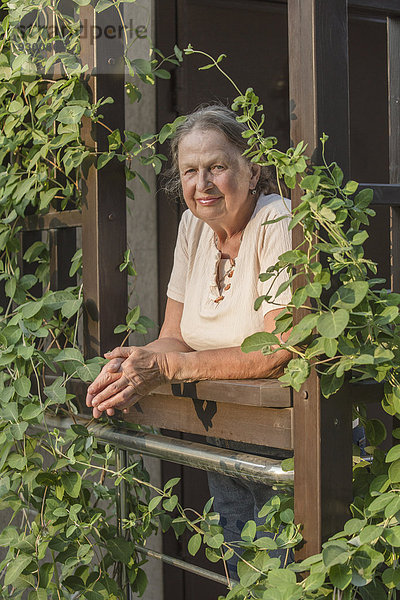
{"x": 121, "y": 505}
{"x": 193, "y": 454}
{"x": 181, "y": 564}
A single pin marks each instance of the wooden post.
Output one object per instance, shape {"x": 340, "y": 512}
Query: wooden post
{"x": 393, "y": 53}
{"x": 318, "y": 68}
{"x": 104, "y": 208}
{"x": 393, "y": 36}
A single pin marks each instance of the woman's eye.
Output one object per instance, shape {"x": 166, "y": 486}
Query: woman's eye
{"x": 188, "y": 171}
{"x": 217, "y": 168}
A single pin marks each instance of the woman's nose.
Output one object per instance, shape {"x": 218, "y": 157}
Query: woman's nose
{"x": 204, "y": 180}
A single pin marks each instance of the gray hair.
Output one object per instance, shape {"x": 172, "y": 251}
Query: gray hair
{"x": 219, "y": 118}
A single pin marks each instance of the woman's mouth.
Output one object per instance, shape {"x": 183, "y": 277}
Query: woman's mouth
{"x": 207, "y": 201}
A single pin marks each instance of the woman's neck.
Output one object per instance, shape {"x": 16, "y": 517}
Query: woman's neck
{"x": 228, "y": 236}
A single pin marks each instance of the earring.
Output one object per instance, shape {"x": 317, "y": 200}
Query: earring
{"x": 253, "y": 192}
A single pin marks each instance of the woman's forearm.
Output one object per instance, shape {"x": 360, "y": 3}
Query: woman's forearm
{"x": 168, "y": 344}
{"x": 224, "y": 363}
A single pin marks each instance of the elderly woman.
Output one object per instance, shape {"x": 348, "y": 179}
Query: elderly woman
{"x": 222, "y": 247}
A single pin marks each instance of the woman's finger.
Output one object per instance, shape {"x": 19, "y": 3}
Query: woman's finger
{"x": 112, "y": 366}
{"x": 110, "y": 412}
{"x": 115, "y": 387}
{"x": 101, "y": 382}
{"x": 123, "y": 399}
{"x": 120, "y": 352}
{"x": 97, "y": 413}
{"x": 89, "y": 398}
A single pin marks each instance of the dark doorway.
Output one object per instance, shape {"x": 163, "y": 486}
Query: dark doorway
{"x": 253, "y": 35}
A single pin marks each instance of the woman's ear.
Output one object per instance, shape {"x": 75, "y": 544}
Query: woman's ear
{"x": 255, "y": 172}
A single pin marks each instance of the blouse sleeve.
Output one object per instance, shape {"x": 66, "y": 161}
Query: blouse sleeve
{"x": 276, "y": 240}
{"x": 177, "y": 283}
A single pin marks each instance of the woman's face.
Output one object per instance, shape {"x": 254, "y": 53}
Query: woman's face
{"x": 216, "y": 179}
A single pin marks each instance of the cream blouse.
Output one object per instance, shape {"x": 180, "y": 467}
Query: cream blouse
{"x": 207, "y": 324}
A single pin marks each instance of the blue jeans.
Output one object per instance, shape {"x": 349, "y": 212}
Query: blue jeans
{"x": 238, "y": 501}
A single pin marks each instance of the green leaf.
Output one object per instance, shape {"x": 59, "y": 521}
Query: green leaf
{"x": 334, "y": 554}
{"x": 349, "y": 295}
{"x": 332, "y": 324}
{"x": 9, "y": 536}
{"x": 389, "y": 314}
{"x": 313, "y": 290}
{"x": 194, "y": 544}
{"x": 89, "y": 371}
{"x": 132, "y": 317}
{"x": 171, "y": 483}
{"x": 72, "y": 482}
{"x": 39, "y": 594}
{"x": 350, "y": 187}
{"x": 103, "y": 159}
{"x": 17, "y": 430}
{"x": 340, "y": 575}
{"x": 287, "y": 464}
{"x": 287, "y": 515}
{"x": 56, "y": 392}
{"x": 103, "y": 5}
{"x": 379, "y": 503}
{"x": 214, "y": 541}
{"x": 69, "y": 355}
{"x": 353, "y": 526}
{"x": 310, "y": 182}
{"x": 170, "y": 503}
{"x": 31, "y": 411}
{"x": 121, "y": 328}
{"x": 17, "y": 461}
{"x": 34, "y": 251}
{"x": 258, "y": 341}
{"x": 330, "y": 384}
{"x": 71, "y": 114}
{"x": 296, "y": 373}
{"x": 15, "y": 568}
{"x": 394, "y": 471}
{"x": 70, "y": 308}
{"x": 142, "y": 66}
{"x": 22, "y": 386}
{"x": 31, "y": 308}
{"x": 373, "y": 591}
{"x": 162, "y": 73}
{"x": 359, "y": 238}
{"x": 120, "y": 549}
{"x": 364, "y": 198}
{"x": 165, "y": 132}
{"x": 391, "y": 577}
{"x": 154, "y": 502}
{"x": 322, "y": 345}
{"x": 392, "y": 535}
{"x": 376, "y": 432}
{"x": 393, "y": 454}
{"x": 249, "y": 531}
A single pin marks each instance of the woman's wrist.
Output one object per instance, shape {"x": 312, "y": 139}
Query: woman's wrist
{"x": 174, "y": 366}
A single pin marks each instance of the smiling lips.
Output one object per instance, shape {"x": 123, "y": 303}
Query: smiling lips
{"x": 207, "y": 201}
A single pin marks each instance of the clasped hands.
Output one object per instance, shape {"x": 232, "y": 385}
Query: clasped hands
{"x": 131, "y": 373}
